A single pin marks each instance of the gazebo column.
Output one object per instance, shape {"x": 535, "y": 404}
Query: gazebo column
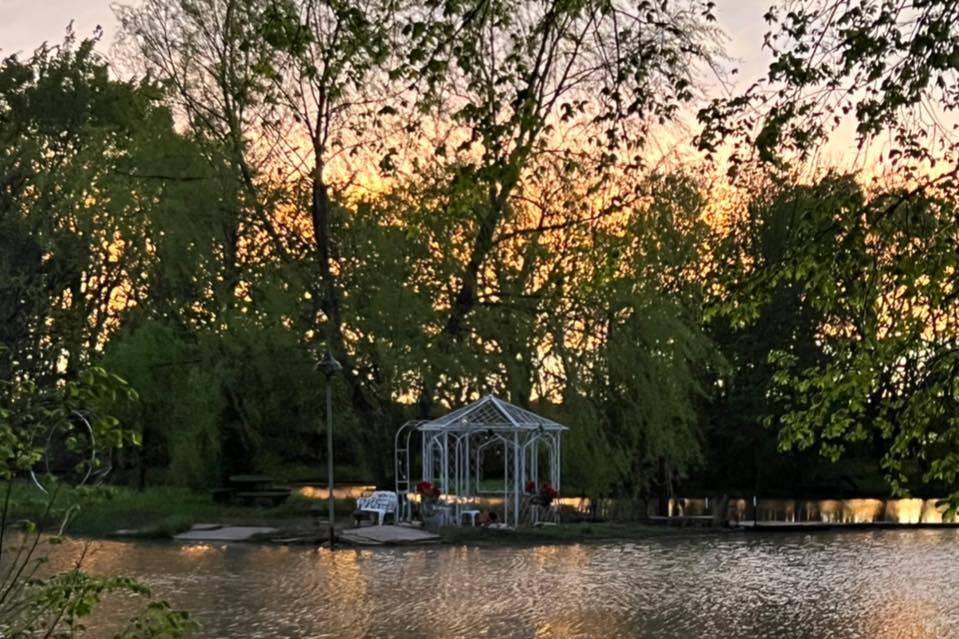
{"x": 456, "y": 465}
{"x": 427, "y": 459}
{"x": 445, "y": 463}
{"x": 534, "y": 461}
{"x": 506, "y": 505}
{"x": 554, "y": 458}
{"x": 517, "y": 478}
{"x": 466, "y": 466}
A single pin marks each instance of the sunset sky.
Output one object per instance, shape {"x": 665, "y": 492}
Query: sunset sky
{"x": 26, "y": 23}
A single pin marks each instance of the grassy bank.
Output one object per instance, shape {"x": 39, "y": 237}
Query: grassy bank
{"x": 155, "y": 512}
{"x": 161, "y": 512}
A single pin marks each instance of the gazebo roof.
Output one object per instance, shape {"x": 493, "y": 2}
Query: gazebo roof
{"x": 493, "y": 413}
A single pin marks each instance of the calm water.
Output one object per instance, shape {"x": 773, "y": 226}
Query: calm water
{"x": 883, "y": 584}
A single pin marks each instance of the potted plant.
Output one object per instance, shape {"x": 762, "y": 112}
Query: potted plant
{"x": 429, "y": 496}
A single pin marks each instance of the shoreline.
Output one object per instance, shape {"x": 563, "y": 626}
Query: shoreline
{"x": 565, "y": 534}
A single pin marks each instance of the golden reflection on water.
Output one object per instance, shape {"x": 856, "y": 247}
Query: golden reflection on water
{"x": 905, "y": 511}
{"x": 560, "y": 555}
{"x": 851, "y": 585}
{"x": 842, "y": 511}
{"x": 903, "y": 619}
{"x": 933, "y": 513}
{"x": 850, "y": 511}
{"x": 195, "y": 549}
{"x": 344, "y": 587}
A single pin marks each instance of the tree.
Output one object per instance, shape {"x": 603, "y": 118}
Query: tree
{"x": 575, "y": 85}
{"x": 752, "y": 247}
{"x": 889, "y": 65}
{"x": 484, "y": 104}
{"x": 638, "y": 363}
{"x": 878, "y": 266}
{"x": 208, "y": 54}
{"x": 76, "y": 415}
{"x": 85, "y": 161}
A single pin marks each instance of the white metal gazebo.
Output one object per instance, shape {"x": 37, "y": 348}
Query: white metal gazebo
{"x": 489, "y": 449}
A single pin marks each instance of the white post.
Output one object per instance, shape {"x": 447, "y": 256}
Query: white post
{"x": 425, "y": 461}
{"x": 466, "y": 470}
{"x": 446, "y": 462}
{"x": 559, "y": 459}
{"x": 517, "y": 478}
{"x": 506, "y": 504}
{"x": 534, "y": 461}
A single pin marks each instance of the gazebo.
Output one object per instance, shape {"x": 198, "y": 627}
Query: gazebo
{"x": 489, "y": 450}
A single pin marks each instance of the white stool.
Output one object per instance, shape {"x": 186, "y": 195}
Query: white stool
{"x": 472, "y": 515}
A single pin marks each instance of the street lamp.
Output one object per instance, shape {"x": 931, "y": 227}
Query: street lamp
{"x": 330, "y": 367}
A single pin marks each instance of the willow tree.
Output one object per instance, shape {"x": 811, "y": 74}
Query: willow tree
{"x": 463, "y": 113}
{"x": 526, "y": 84}
{"x": 210, "y": 59}
{"x": 881, "y": 267}
{"x": 638, "y": 362}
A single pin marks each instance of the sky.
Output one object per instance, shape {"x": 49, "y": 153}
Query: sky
{"x": 24, "y": 24}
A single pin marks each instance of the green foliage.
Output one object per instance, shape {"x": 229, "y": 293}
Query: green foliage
{"x": 635, "y": 391}
{"x": 81, "y": 153}
{"x": 454, "y": 278}
{"x": 875, "y": 263}
{"x": 75, "y": 253}
{"x": 753, "y": 317}
{"x": 890, "y": 342}
{"x": 180, "y": 397}
{"x": 59, "y": 607}
{"x": 32, "y": 420}
{"x": 866, "y": 354}
{"x": 31, "y": 417}
{"x": 890, "y": 65}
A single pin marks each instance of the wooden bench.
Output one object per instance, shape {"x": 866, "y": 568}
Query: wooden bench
{"x": 381, "y": 503}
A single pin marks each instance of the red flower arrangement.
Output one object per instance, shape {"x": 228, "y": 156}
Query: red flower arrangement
{"x": 428, "y": 491}
{"x": 546, "y": 493}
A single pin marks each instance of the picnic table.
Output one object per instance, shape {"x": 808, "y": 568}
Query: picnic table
{"x": 255, "y": 489}
{"x": 251, "y": 482}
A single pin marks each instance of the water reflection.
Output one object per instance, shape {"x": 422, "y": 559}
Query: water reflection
{"x": 845, "y": 585}
{"x": 832, "y": 511}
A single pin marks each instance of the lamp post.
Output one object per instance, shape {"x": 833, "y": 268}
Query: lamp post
{"x": 330, "y": 367}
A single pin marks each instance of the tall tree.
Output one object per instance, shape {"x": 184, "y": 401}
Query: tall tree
{"x": 879, "y": 267}
{"x": 476, "y": 100}
{"x": 82, "y": 157}
{"x": 528, "y": 82}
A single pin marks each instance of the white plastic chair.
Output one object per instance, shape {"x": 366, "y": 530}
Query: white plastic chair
{"x": 380, "y": 503}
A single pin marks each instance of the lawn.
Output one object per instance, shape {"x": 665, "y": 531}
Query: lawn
{"x": 155, "y": 511}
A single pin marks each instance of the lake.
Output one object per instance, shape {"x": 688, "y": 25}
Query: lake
{"x": 900, "y": 584}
